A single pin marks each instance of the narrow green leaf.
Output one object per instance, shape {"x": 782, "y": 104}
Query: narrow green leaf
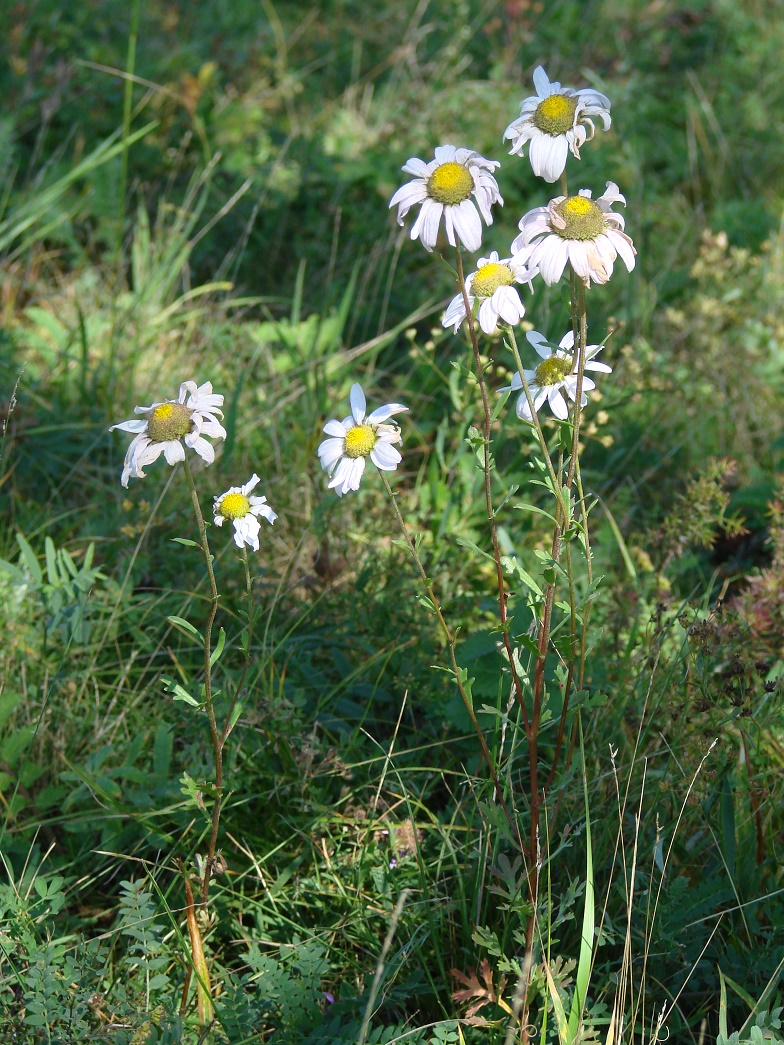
{"x": 51, "y": 563}
{"x": 728, "y": 825}
{"x": 235, "y": 714}
{"x": 536, "y": 510}
{"x": 512, "y": 565}
{"x": 464, "y": 542}
{"x": 188, "y": 543}
{"x": 723, "y": 1030}
{"x": 178, "y": 692}
{"x": 622, "y": 548}
{"x": 558, "y": 1009}
{"x": 216, "y": 653}
{"x": 185, "y": 625}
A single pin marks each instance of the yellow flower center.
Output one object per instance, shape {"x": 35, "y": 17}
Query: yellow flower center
{"x": 555, "y": 115}
{"x": 234, "y": 506}
{"x": 169, "y": 421}
{"x": 360, "y": 440}
{"x": 552, "y": 371}
{"x": 584, "y": 218}
{"x": 450, "y": 183}
{"x": 489, "y": 278}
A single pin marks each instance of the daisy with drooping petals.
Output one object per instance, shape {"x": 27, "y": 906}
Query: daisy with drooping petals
{"x": 444, "y": 187}
{"x": 556, "y": 120}
{"x": 357, "y": 437}
{"x": 556, "y": 376}
{"x": 242, "y": 508}
{"x": 586, "y": 233}
{"x": 493, "y": 285}
{"x": 167, "y": 425}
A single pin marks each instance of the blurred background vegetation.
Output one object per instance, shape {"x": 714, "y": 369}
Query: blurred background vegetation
{"x": 200, "y": 190}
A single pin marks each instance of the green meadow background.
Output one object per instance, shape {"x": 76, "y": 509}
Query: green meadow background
{"x": 200, "y": 190}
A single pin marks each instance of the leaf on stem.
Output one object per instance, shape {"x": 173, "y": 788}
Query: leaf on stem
{"x": 216, "y": 653}
{"x": 513, "y": 566}
{"x": 185, "y": 626}
{"x": 178, "y": 692}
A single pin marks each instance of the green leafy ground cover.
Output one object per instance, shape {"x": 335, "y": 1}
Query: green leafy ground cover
{"x": 243, "y": 237}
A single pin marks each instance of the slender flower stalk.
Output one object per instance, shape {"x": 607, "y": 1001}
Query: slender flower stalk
{"x": 451, "y": 643}
{"x": 502, "y": 593}
{"x": 563, "y": 519}
{"x": 217, "y": 745}
{"x": 227, "y": 725}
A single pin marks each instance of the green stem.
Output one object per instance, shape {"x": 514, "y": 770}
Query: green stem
{"x": 238, "y": 688}
{"x": 563, "y": 520}
{"x": 208, "y": 703}
{"x": 499, "y": 571}
{"x": 451, "y": 643}
{"x": 589, "y": 564}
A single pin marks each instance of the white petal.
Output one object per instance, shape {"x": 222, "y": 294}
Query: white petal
{"x": 330, "y": 452}
{"x": 263, "y": 509}
{"x": 425, "y": 228}
{"x": 567, "y": 341}
{"x": 508, "y": 304}
{"x": 624, "y": 246}
{"x": 417, "y": 167}
{"x": 384, "y": 455}
{"x": 213, "y": 429}
{"x": 551, "y": 257}
{"x": 468, "y": 224}
{"x": 338, "y": 480}
{"x": 578, "y": 257}
{"x": 455, "y": 313}
{"x": 557, "y": 404}
{"x": 335, "y": 428}
{"x": 357, "y": 402}
{"x": 488, "y": 317}
{"x": 130, "y": 426}
{"x": 407, "y": 196}
{"x": 383, "y": 412}
{"x": 173, "y": 451}
{"x": 355, "y": 474}
{"x": 548, "y": 156}
{"x": 541, "y": 82}
{"x": 204, "y": 450}
{"x": 445, "y": 154}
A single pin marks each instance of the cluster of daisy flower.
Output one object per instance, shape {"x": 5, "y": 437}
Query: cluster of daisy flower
{"x": 171, "y": 426}
{"x": 457, "y": 188}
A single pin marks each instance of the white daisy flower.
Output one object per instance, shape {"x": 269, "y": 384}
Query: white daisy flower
{"x": 166, "y": 425}
{"x": 555, "y": 120}
{"x": 585, "y": 233}
{"x": 356, "y": 438}
{"x": 555, "y": 376}
{"x": 242, "y": 508}
{"x": 492, "y": 285}
{"x": 445, "y": 187}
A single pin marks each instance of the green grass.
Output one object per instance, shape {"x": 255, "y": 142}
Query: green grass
{"x": 256, "y": 251}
